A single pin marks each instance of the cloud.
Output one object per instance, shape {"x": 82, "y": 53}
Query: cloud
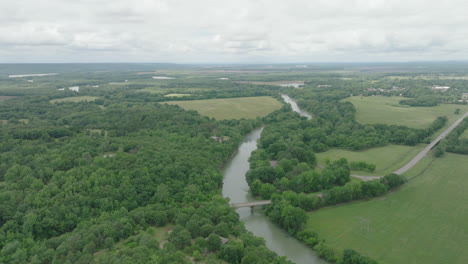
{"x": 233, "y": 31}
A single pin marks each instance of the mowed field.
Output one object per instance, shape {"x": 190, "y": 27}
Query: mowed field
{"x": 387, "y": 159}
{"x": 232, "y": 108}
{"x": 75, "y": 99}
{"x": 386, "y": 110}
{"x": 425, "y": 221}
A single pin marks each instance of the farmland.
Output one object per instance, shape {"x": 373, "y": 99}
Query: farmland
{"x": 387, "y": 159}
{"x": 423, "y": 222}
{"x": 232, "y": 108}
{"x": 379, "y": 109}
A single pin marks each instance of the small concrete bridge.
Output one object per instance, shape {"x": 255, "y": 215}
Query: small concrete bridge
{"x": 251, "y": 204}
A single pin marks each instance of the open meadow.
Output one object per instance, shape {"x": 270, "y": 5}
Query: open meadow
{"x": 425, "y": 221}
{"x": 232, "y": 108}
{"x": 387, "y": 159}
{"x": 386, "y": 110}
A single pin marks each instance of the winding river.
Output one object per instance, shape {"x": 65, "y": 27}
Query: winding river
{"x": 236, "y": 188}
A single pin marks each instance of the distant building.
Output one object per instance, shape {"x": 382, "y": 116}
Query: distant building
{"x": 323, "y": 85}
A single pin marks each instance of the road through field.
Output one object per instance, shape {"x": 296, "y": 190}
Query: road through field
{"x": 423, "y": 153}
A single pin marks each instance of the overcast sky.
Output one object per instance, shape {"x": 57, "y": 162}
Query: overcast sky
{"x": 235, "y": 31}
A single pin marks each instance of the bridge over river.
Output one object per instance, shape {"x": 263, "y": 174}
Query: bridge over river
{"x": 251, "y": 204}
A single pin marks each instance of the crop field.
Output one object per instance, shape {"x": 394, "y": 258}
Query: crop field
{"x": 386, "y": 110}
{"x": 425, "y": 221}
{"x": 232, "y": 108}
{"x": 387, "y": 159}
{"x": 75, "y": 99}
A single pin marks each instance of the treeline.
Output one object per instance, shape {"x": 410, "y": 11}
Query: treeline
{"x": 421, "y": 101}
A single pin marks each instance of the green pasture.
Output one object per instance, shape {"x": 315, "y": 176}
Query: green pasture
{"x": 75, "y": 99}
{"x": 425, "y": 221}
{"x": 386, "y": 110}
{"x": 232, "y": 108}
{"x": 387, "y": 159}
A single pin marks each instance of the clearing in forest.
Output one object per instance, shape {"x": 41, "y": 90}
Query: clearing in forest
{"x": 425, "y": 221}
{"x": 75, "y": 99}
{"x": 176, "y": 95}
{"x": 387, "y": 110}
{"x": 232, "y": 108}
{"x": 387, "y": 159}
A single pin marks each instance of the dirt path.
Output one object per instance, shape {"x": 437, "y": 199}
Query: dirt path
{"x": 421, "y": 154}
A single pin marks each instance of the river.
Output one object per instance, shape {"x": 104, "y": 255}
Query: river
{"x": 295, "y": 107}
{"x": 236, "y": 188}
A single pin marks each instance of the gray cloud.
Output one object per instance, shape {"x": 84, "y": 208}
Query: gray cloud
{"x": 232, "y": 31}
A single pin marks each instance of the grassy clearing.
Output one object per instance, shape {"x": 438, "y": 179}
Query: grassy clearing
{"x": 423, "y": 222}
{"x": 176, "y": 95}
{"x": 381, "y": 109}
{"x": 387, "y": 159}
{"x": 75, "y": 99}
{"x": 232, "y": 108}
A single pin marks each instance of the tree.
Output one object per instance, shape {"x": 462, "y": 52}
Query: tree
{"x": 180, "y": 236}
{"x": 213, "y": 242}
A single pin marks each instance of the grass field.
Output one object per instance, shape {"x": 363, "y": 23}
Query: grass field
{"x": 387, "y": 159}
{"x": 177, "y": 95}
{"x": 232, "y": 108}
{"x": 425, "y": 221}
{"x": 74, "y": 99}
{"x": 381, "y": 109}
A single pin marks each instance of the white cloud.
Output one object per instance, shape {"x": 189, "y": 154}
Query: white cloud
{"x": 232, "y": 31}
